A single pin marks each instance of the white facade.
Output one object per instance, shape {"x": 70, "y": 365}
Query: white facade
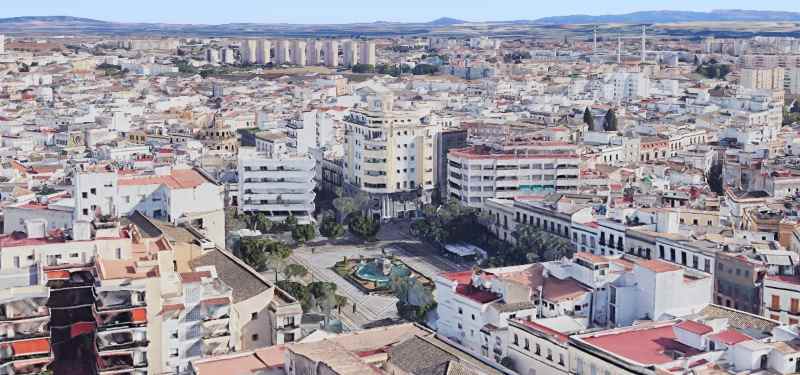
{"x": 248, "y": 51}
{"x": 349, "y": 53}
{"x": 298, "y": 53}
{"x": 331, "y": 53}
{"x": 277, "y": 185}
{"x": 263, "y": 48}
{"x": 282, "y": 52}
{"x": 366, "y": 53}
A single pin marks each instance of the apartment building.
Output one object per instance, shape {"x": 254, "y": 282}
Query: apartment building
{"x": 330, "y": 53}
{"x": 171, "y": 193}
{"x": 366, "y": 53}
{"x": 263, "y": 54}
{"x": 248, "y": 51}
{"x": 298, "y": 52}
{"x": 762, "y": 78}
{"x": 275, "y": 181}
{"x": 349, "y": 53}
{"x": 313, "y": 52}
{"x": 482, "y": 172}
{"x": 390, "y": 155}
{"x": 282, "y": 55}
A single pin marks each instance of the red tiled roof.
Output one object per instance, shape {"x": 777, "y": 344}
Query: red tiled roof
{"x": 178, "y": 179}
{"x": 591, "y": 257}
{"x": 475, "y": 294}
{"x": 645, "y": 344}
{"x": 464, "y": 277}
{"x": 217, "y": 301}
{"x": 694, "y": 327}
{"x": 659, "y": 266}
{"x": 729, "y": 337}
{"x": 194, "y": 277}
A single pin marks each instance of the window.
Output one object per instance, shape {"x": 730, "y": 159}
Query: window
{"x": 473, "y": 316}
{"x": 516, "y": 340}
{"x": 254, "y": 316}
{"x": 776, "y": 303}
{"x": 93, "y": 191}
{"x": 795, "y": 306}
{"x": 84, "y": 195}
{"x": 254, "y": 337}
{"x": 561, "y": 359}
{"x": 538, "y": 350}
{"x": 527, "y": 345}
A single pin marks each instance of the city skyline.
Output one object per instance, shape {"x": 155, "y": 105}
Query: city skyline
{"x": 318, "y": 12}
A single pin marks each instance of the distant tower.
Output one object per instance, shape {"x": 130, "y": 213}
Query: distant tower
{"x": 644, "y": 42}
{"x": 2, "y": 44}
{"x": 619, "y": 49}
{"x": 594, "y": 48}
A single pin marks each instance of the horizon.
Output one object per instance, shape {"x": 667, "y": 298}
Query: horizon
{"x": 351, "y": 11}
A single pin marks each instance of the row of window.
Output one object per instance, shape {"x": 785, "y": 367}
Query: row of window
{"x": 537, "y": 350}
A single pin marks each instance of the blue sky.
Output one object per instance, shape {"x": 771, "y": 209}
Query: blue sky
{"x": 344, "y": 11}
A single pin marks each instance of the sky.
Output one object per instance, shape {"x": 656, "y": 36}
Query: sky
{"x": 347, "y": 11}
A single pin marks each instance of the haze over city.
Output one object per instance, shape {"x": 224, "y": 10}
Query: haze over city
{"x": 350, "y": 11}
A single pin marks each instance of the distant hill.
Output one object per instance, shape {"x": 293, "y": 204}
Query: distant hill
{"x": 446, "y": 21}
{"x": 52, "y": 19}
{"x": 672, "y": 16}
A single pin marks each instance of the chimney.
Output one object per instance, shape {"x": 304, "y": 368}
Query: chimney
{"x": 36, "y": 228}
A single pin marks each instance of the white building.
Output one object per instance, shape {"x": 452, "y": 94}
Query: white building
{"x": 282, "y": 55}
{"x": 171, "y": 194}
{"x": 313, "y": 52}
{"x": 331, "y": 53}
{"x": 263, "y": 48}
{"x": 349, "y": 53}
{"x": 366, "y": 53}
{"x": 248, "y": 51}
{"x": 298, "y": 52}
{"x": 276, "y": 182}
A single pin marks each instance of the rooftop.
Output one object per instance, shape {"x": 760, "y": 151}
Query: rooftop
{"x": 647, "y": 344}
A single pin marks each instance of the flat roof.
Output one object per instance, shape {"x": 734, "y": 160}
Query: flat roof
{"x": 645, "y": 344}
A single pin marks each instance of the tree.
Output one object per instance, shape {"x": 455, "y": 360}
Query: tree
{"x": 304, "y": 233}
{"x": 425, "y": 69}
{"x": 295, "y": 270}
{"x": 256, "y": 251}
{"x": 714, "y": 178}
{"x": 299, "y": 292}
{"x": 588, "y": 119}
{"x": 363, "y": 68}
{"x": 263, "y": 223}
{"x": 346, "y": 205}
{"x": 290, "y": 221}
{"x": 331, "y": 228}
{"x": 610, "y": 123}
{"x": 364, "y": 226}
{"x": 275, "y": 262}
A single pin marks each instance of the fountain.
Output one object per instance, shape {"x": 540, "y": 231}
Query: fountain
{"x": 380, "y": 270}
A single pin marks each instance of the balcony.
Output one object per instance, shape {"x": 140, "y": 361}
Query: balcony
{"x": 121, "y": 318}
{"x": 24, "y": 329}
{"x": 122, "y": 339}
{"x": 24, "y": 349}
{"x": 26, "y": 308}
{"x": 120, "y": 361}
{"x": 119, "y": 299}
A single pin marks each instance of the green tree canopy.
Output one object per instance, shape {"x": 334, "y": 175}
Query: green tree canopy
{"x": 364, "y": 226}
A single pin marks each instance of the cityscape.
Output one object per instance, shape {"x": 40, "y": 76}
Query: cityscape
{"x": 607, "y": 193}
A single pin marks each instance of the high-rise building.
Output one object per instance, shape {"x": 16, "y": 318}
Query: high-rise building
{"x": 298, "y": 52}
{"x": 2, "y": 43}
{"x": 313, "y": 50}
{"x": 766, "y": 78}
{"x": 389, "y": 154}
{"x": 282, "y": 52}
{"x": 366, "y": 53}
{"x": 226, "y": 55}
{"x": 331, "y": 53}
{"x": 350, "y": 53}
{"x": 212, "y": 55}
{"x": 248, "y": 51}
{"x": 262, "y": 52}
